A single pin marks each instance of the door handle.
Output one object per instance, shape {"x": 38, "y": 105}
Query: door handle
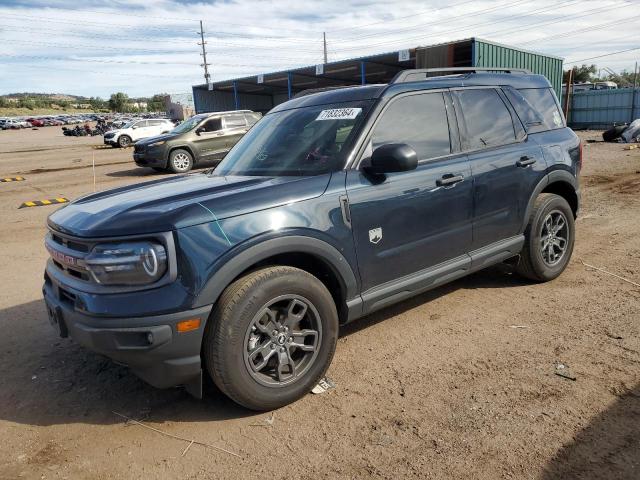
{"x": 449, "y": 179}
{"x": 525, "y": 161}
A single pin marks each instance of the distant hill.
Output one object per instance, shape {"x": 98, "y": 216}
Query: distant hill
{"x": 62, "y": 97}
{"x": 51, "y": 96}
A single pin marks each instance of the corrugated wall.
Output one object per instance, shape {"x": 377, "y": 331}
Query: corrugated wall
{"x": 601, "y": 108}
{"x": 217, "y": 101}
{"x": 488, "y": 54}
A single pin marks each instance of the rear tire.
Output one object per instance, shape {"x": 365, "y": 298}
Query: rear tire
{"x": 549, "y": 239}
{"x": 180, "y": 161}
{"x": 124, "y": 141}
{"x": 262, "y": 324}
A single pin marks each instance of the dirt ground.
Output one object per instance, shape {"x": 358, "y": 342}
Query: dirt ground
{"x": 441, "y": 386}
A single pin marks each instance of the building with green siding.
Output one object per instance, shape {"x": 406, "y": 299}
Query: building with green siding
{"x": 263, "y": 92}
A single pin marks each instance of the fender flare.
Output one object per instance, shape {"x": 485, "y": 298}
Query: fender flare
{"x": 548, "y": 179}
{"x": 183, "y": 146}
{"x": 243, "y": 260}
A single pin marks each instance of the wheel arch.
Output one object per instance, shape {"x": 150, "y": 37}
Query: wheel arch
{"x": 307, "y": 253}
{"x": 559, "y": 182}
{"x": 182, "y": 147}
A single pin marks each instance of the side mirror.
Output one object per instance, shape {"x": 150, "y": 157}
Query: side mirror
{"x": 199, "y": 130}
{"x": 392, "y": 157}
{"x": 134, "y": 127}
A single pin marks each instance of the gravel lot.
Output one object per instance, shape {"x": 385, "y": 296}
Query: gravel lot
{"x": 441, "y": 386}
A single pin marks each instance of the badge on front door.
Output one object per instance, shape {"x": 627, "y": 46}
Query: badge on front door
{"x": 375, "y": 235}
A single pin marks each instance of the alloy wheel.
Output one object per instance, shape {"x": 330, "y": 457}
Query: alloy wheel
{"x": 554, "y": 238}
{"x": 282, "y": 341}
{"x": 181, "y": 161}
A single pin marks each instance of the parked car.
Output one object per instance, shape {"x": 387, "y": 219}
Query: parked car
{"x": 336, "y": 204}
{"x": 136, "y": 130}
{"x": 202, "y": 140}
{"x": 36, "y": 122}
{"x": 15, "y": 124}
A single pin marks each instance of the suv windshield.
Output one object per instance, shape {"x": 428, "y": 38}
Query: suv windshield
{"x": 189, "y": 124}
{"x": 303, "y": 141}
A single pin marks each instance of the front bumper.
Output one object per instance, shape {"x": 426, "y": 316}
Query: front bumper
{"x": 151, "y": 157}
{"x": 150, "y": 346}
{"x": 110, "y": 141}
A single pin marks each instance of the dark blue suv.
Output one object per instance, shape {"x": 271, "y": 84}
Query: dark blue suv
{"x": 335, "y": 204}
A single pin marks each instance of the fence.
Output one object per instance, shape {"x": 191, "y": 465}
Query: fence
{"x": 599, "y": 109}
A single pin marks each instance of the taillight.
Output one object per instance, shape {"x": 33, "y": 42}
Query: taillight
{"x": 579, "y": 157}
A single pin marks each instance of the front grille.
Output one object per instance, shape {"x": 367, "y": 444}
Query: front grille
{"x": 68, "y": 254}
{"x": 81, "y": 247}
{"x": 138, "y": 148}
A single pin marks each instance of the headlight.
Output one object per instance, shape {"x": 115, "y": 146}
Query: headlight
{"x": 127, "y": 263}
{"x": 157, "y": 144}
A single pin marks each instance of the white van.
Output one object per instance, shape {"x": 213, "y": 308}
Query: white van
{"x": 136, "y": 130}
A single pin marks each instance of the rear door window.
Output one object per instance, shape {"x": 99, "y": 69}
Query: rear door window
{"x": 420, "y": 121}
{"x": 486, "y": 119}
{"x": 235, "y": 121}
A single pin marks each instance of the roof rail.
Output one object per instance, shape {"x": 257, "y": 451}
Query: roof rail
{"x": 418, "y": 74}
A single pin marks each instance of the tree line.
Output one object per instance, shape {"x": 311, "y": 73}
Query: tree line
{"x": 117, "y": 102}
{"x": 590, "y": 73}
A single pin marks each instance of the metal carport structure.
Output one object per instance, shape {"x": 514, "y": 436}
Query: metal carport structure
{"x": 264, "y": 91}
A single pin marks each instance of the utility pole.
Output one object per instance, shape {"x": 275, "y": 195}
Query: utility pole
{"x": 207, "y": 76}
{"x": 324, "y": 43}
{"x": 634, "y": 92}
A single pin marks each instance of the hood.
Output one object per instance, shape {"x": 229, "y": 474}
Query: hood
{"x": 182, "y": 201}
{"x": 112, "y": 132}
{"x": 157, "y": 138}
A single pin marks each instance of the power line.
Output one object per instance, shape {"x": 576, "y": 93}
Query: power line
{"x": 170, "y": 15}
{"x": 509, "y": 3}
{"x": 133, "y": 50}
{"x": 132, "y": 62}
{"x": 155, "y": 39}
{"x": 521, "y": 28}
{"x": 602, "y": 56}
{"x": 415, "y": 14}
{"x": 39, "y": 66}
{"x": 590, "y": 28}
{"x": 93, "y": 60}
{"x": 106, "y": 25}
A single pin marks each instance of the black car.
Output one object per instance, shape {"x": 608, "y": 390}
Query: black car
{"x": 201, "y": 140}
{"x": 334, "y": 205}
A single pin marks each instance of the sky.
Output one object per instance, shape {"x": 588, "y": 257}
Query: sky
{"x": 142, "y": 47}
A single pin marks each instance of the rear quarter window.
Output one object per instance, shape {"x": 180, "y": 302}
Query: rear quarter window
{"x": 537, "y": 108}
{"x": 486, "y": 119}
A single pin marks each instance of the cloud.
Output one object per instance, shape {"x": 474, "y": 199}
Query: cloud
{"x": 143, "y": 47}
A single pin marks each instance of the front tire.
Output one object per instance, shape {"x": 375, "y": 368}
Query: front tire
{"x": 549, "y": 239}
{"x": 180, "y": 161}
{"x": 271, "y": 337}
{"x": 124, "y": 141}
